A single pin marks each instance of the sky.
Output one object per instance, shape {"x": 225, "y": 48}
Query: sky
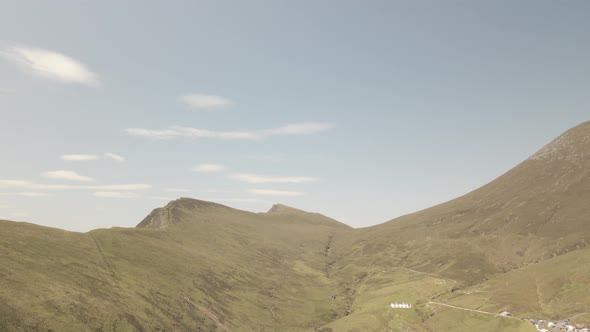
{"x": 360, "y": 110}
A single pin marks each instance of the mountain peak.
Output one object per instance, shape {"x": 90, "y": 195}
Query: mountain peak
{"x": 284, "y": 211}
{"x": 161, "y": 218}
{"x": 573, "y": 145}
{"x": 281, "y": 208}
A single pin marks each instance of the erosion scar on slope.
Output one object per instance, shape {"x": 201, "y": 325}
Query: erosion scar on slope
{"x": 106, "y": 261}
{"x": 209, "y": 314}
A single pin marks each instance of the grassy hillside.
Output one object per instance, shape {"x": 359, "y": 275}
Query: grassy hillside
{"x": 212, "y": 267}
{"x": 555, "y": 289}
{"x": 518, "y": 244}
{"x": 535, "y": 211}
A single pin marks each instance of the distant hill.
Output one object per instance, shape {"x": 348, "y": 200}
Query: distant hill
{"x": 518, "y": 243}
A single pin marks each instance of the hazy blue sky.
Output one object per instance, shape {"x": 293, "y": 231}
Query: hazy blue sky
{"x": 361, "y": 110}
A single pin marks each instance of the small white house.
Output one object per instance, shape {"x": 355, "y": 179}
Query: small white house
{"x": 551, "y": 324}
{"x": 505, "y": 314}
{"x": 569, "y": 328}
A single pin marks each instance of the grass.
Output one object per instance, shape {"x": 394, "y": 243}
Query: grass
{"x": 248, "y": 271}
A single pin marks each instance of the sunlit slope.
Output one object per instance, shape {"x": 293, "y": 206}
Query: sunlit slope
{"x": 538, "y": 210}
{"x": 272, "y": 266}
{"x": 211, "y": 267}
{"x": 553, "y": 289}
{"x": 60, "y": 281}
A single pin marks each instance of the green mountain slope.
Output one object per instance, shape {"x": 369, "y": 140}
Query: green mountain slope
{"x": 555, "y": 289}
{"x": 211, "y": 267}
{"x": 535, "y": 211}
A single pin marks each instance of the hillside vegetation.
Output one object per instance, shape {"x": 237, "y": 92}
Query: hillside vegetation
{"x": 518, "y": 243}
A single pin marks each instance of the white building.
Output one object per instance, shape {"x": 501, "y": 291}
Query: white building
{"x": 400, "y": 305}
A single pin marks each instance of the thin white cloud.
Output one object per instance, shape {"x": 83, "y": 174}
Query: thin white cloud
{"x": 240, "y": 200}
{"x": 44, "y": 186}
{"x": 4, "y": 183}
{"x": 32, "y": 194}
{"x": 92, "y": 157}
{"x": 306, "y": 128}
{"x": 257, "y": 178}
{"x": 27, "y": 194}
{"x": 179, "y": 131}
{"x": 188, "y": 132}
{"x": 50, "y": 64}
{"x": 176, "y": 190}
{"x": 208, "y": 168}
{"x": 162, "y": 198}
{"x": 114, "y": 157}
{"x": 271, "y": 192}
{"x": 203, "y": 101}
{"x": 265, "y": 158}
{"x": 220, "y": 191}
{"x": 131, "y": 187}
{"x": 19, "y": 214}
{"x": 13, "y": 183}
{"x": 66, "y": 175}
{"x": 79, "y": 157}
{"x": 114, "y": 194}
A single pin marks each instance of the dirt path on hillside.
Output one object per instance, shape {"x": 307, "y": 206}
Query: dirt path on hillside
{"x": 472, "y": 310}
{"x": 425, "y": 273}
{"x": 576, "y": 316}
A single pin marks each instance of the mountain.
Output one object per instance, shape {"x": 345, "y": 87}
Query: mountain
{"x": 518, "y": 244}
{"x": 535, "y": 211}
{"x": 191, "y": 265}
{"x": 528, "y": 217}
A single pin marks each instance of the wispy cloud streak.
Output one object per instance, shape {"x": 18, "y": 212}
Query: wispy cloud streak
{"x": 272, "y": 192}
{"x": 203, "y": 101}
{"x": 114, "y": 194}
{"x": 23, "y": 184}
{"x": 257, "y": 178}
{"x": 172, "y": 132}
{"x": 208, "y": 168}
{"x": 92, "y": 157}
{"x": 66, "y": 175}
